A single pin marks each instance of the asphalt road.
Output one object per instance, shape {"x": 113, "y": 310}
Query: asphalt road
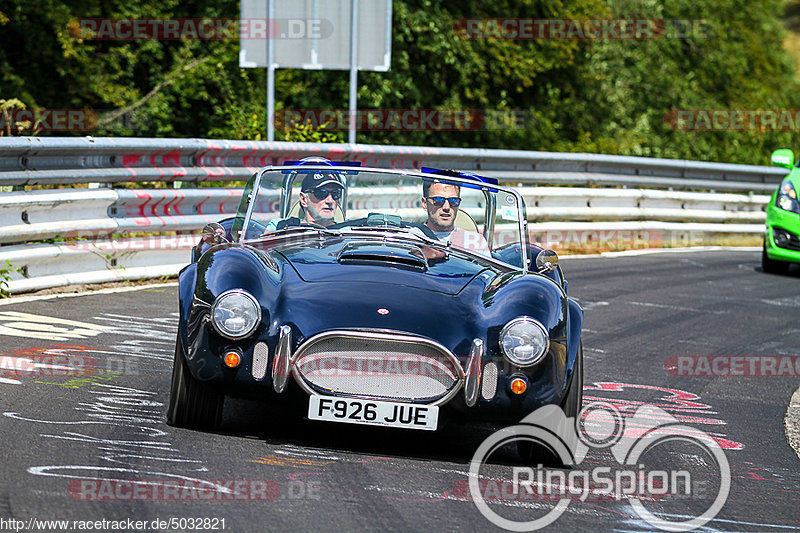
{"x": 63, "y": 437}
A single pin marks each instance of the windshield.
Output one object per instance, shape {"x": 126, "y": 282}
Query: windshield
{"x": 449, "y": 213}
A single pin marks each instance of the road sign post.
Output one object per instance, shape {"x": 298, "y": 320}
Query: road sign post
{"x": 348, "y": 35}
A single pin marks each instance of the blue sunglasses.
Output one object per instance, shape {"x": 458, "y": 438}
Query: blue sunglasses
{"x": 439, "y": 201}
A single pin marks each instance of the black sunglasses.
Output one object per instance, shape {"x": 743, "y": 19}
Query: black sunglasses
{"x": 321, "y": 194}
{"x": 438, "y": 201}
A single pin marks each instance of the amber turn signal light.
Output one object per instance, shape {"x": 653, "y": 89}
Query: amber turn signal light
{"x": 232, "y": 359}
{"x": 519, "y": 385}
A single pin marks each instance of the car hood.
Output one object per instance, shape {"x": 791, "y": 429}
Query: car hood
{"x": 334, "y": 285}
{"x": 340, "y": 260}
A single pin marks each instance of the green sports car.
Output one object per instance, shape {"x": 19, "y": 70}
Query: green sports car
{"x": 782, "y": 236}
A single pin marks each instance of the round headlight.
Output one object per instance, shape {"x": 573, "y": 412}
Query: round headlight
{"x": 524, "y": 341}
{"x": 235, "y": 314}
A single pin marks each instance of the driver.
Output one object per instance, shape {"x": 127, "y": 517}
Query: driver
{"x": 320, "y": 193}
{"x": 319, "y": 196}
{"x": 441, "y": 202}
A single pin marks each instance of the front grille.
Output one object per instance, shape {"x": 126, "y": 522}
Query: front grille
{"x": 380, "y": 365}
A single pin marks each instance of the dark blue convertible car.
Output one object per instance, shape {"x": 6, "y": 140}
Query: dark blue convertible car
{"x": 373, "y": 296}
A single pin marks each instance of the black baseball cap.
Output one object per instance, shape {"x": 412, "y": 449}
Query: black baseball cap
{"x": 318, "y": 179}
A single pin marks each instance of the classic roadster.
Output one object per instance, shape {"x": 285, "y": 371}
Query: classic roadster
{"x": 372, "y": 296}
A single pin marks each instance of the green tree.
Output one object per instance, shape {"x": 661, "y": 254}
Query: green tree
{"x": 609, "y": 96}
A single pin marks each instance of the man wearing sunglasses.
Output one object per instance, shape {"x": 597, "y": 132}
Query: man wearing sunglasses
{"x": 320, "y": 193}
{"x": 441, "y": 201}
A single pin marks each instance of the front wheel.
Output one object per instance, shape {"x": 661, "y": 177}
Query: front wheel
{"x": 572, "y": 405}
{"x": 191, "y": 404}
{"x": 771, "y": 266}
{"x": 538, "y": 453}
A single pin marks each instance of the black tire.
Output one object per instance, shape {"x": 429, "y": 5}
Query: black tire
{"x": 533, "y": 453}
{"x": 572, "y": 405}
{"x": 191, "y": 404}
{"x": 771, "y": 266}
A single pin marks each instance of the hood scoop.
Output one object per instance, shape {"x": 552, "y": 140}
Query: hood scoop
{"x": 396, "y": 255}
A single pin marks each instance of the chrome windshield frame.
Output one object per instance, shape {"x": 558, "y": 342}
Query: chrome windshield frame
{"x": 251, "y": 203}
{"x": 287, "y": 182}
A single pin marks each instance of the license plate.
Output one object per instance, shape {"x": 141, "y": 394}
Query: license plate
{"x": 373, "y": 412}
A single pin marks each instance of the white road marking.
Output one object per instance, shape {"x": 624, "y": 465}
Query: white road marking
{"x": 653, "y": 251}
{"x": 23, "y": 299}
{"x": 793, "y": 301}
{"x": 679, "y": 308}
{"x": 17, "y": 324}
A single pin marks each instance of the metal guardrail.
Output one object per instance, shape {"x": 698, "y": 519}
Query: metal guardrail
{"x": 615, "y": 193}
{"x": 54, "y": 160}
{"x": 81, "y": 213}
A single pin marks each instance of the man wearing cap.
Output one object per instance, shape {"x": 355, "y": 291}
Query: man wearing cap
{"x": 319, "y": 196}
{"x": 320, "y": 193}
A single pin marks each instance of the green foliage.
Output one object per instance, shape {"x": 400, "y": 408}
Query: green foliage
{"x": 307, "y": 133}
{"x": 9, "y": 125}
{"x": 610, "y": 96}
{"x": 5, "y": 277}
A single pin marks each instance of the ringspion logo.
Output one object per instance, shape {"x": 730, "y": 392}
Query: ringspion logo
{"x": 643, "y": 475}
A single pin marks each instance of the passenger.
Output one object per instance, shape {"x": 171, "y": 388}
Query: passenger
{"x": 441, "y": 201}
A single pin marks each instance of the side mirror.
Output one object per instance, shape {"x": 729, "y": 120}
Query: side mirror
{"x": 214, "y": 233}
{"x": 783, "y": 158}
{"x": 546, "y": 261}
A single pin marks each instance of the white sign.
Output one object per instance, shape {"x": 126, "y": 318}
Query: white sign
{"x": 315, "y": 34}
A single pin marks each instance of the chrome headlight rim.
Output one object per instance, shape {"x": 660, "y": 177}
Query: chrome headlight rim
{"x": 220, "y": 299}
{"x": 510, "y": 357}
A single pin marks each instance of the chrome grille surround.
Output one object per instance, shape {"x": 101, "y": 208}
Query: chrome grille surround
{"x": 473, "y": 377}
{"x": 281, "y": 363}
{"x": 377, "y": 364}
